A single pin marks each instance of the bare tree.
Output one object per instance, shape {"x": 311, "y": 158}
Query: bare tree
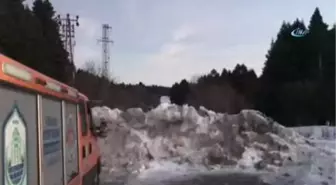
{"x": 92, "y": 67}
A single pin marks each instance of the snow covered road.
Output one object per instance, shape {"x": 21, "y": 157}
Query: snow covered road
{"x": 198, "y": 179}
{"x": 219, "y": 179}
{"x": 216, "y": 179}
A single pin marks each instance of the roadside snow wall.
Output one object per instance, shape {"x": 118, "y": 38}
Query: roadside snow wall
{"x": 199, "y": 138}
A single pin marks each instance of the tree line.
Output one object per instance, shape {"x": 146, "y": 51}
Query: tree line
{"x": 31, "y": 36}
{"x": 297, "y": 85}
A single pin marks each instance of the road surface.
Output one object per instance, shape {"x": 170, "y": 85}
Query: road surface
{"x": 204, "y": 179}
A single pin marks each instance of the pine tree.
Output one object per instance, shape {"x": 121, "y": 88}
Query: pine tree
{"x": 317, "y": 38}
{"x": 20, "y": 35}
{"x": 294, "y": 80}
{"x": 57, "y": 56}
{"x": 281, "y": 67}
{"x": 179, "y": 92}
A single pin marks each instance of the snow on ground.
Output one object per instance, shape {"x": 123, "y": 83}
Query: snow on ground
{"x": 317, "y": 132}
{"x": 181, "y": 142}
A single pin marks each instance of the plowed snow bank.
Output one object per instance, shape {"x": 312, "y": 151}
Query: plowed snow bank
{"x": 200, "y": 139}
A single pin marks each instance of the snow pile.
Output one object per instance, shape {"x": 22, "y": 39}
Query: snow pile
{"x": 105, "y": 113}
{"x": 182, "y": 141}
{"x": 202, "y": 140}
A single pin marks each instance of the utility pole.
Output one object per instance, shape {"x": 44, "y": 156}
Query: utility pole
{"x": 105, "y": 40}
{"x": 67, "y": 31}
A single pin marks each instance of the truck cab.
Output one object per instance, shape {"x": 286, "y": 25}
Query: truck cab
{"x": 46, "y": 130}
{"x": 89, "y": 144}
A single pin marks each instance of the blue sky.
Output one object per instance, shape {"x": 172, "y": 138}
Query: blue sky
{"x": 163, "y": 41}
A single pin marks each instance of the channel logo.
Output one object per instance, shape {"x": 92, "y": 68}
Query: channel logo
{"x": 298, "y": 32}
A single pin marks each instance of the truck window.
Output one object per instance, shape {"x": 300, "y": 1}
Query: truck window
{"x": 71, "y": 145}
{"x": 52, "y": 140}
{"x": 82, "y": 112}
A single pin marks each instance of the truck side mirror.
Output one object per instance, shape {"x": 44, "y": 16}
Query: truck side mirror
{"x": 97, "y": 127}
{"x": 99, "y": 131}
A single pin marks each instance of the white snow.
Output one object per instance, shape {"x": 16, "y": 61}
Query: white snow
{"x": 181, "y": 141}
{"x": 317, "y": 132}
{"x": 250, "y": 157}
{"x": 105, "y": 113}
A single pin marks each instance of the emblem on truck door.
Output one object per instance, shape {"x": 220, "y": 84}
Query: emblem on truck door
{"x": 15, "y": 149}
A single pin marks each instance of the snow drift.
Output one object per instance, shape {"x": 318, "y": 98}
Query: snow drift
{"x": 202, "y": 140}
